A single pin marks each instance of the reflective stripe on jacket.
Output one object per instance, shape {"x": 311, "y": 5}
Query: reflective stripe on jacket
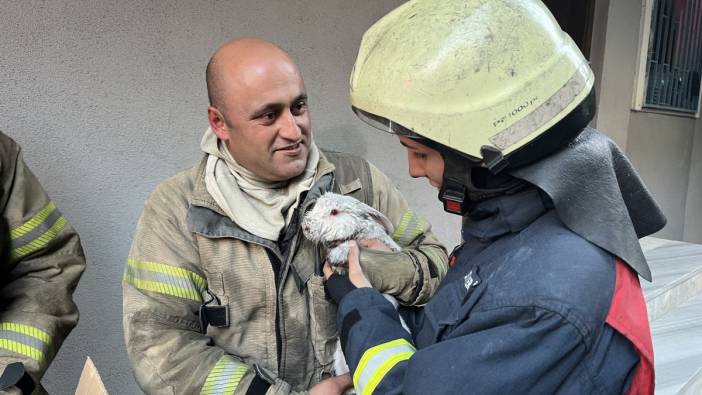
{"x": 276, "y": 317}
{"x": 42, "y": 261}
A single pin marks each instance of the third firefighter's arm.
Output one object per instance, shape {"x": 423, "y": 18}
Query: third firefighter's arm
{"x": 413, "y": 274}
{"x": 43, "y": 260}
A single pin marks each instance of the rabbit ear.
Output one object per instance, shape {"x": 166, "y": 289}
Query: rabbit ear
{"x": 381, "y": 219}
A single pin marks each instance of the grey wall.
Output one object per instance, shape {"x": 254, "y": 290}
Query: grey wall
{"x": 108, "y": 99}
{"x": 618, "y": 58}
{"x": 693, "y": 207}
{"x": 598, "y": 46}
{"x": 660, "y": 147}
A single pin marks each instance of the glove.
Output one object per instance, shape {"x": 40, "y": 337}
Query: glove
{"x": 337, "y": 286}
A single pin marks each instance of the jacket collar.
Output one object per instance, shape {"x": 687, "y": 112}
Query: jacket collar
{"x": 498, "y": 216}
{"x": 207, "y": 218}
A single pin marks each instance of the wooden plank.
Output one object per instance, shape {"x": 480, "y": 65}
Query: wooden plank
{"x": 90, "y": 382}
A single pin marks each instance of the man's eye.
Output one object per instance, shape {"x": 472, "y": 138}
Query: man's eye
{"x": 419, "y": 155}
{"x": 299, "y": 107}
{"x": 269, "y": 116}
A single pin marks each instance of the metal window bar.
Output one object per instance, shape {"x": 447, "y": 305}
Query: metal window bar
{"x": 674, "y": 64}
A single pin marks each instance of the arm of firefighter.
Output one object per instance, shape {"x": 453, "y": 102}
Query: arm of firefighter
{"x": 43, "y": 260}
{"x": 413, "y": 274}
{"x": 163, "y": 290}
{"x": 508, "y": 350}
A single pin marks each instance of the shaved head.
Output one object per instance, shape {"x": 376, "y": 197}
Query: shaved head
{"x": 234, "y": 59}
{"x": 258, "y": 108}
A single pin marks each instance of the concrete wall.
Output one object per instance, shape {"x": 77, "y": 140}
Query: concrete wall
{"x": 693, "y": 207}
{"x": 598, "y": 46}
{"x": 618, "y": 58}
{"x": 108, "y": 98}
{"x": 660, "y": 146}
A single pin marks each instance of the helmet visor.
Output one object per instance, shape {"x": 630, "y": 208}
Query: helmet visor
{"x": 384, "y": 124}
{"x": 388, "y": 126}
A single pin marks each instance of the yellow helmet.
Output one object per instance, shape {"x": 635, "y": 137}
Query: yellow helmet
{"x": 482, "y": 77}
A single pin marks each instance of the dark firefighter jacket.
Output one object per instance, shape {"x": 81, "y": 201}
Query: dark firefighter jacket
{"x": 523, "y": 309}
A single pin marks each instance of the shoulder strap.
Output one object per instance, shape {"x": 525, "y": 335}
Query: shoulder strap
{"x": 352, "y": 176}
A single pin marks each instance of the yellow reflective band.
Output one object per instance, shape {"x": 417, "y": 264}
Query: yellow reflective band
{"x": 406, "y": 218}
{"x": 370, "y": 366}
{"x": 23, "y": 349}
{"x": 174, "y": 271}
{"x": 165, "y": 279}
{"x": 32, "y": 223}
{"x": 25, "y": 340}
{"x": 224, "y": 377}
{"x": 411, "y": 226}
{"x": 41, "y": 241}
{"x": 26, "y": 330}
{"x": 383, "y": 370}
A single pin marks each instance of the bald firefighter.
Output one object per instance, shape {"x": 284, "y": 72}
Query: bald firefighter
{"x": 222, "y": 293}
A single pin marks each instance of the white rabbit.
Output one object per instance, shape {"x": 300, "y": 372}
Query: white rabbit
{"x": 336, "y": 218}
{"x": 333, "y": 221}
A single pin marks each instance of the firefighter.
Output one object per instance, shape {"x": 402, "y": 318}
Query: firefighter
{"x": 492, "y": 101}
{"x": 222, "y": 293}
{"x": 42, "y": 261}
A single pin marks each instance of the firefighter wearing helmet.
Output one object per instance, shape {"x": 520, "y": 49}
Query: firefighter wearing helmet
{"x": 492, "y": 100}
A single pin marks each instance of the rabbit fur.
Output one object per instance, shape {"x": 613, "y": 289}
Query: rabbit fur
{"x": 332, "y": 222}
{"x": 335, "y": 219}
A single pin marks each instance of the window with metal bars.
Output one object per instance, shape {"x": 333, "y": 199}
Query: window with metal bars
{"x": 674, "y": 64}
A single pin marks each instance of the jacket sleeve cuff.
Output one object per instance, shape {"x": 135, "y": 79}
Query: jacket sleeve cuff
{"x": 365, "y": 320}
{"x": 394, "y": 273}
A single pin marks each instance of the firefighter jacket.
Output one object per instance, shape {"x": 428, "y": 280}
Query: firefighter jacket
{"x": 266, "y": 324}
{"x": 527, "y": 307}
{"x": 42, "y": 260}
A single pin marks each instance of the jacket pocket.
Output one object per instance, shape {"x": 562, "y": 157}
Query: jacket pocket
{"x": 322, "y": 323}
{"x": 453, "y": 303}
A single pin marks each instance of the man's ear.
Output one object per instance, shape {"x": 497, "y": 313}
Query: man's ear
{"x": 217, "y": 123}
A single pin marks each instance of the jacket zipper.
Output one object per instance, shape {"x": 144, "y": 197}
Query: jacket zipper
{"x": 279, "y": 302}
{"x": 283, "y": 274}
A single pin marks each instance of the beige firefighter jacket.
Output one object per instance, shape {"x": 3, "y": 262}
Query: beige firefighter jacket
{"x": 41, "y": 262}
{"x": 279, "y": 326}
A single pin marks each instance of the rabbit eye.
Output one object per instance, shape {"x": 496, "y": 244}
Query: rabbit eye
{"x": 334, "y": 212}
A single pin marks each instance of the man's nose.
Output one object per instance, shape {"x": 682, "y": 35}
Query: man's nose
{"x": 289, "y": 129}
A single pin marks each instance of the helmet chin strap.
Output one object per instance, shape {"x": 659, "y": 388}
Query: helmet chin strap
{"x": 459, "y": 191}
{"x": 453, "y": 193}
{"x": 460, "y": 188}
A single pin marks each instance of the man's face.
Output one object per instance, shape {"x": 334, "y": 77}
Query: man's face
{"x": 265, "y": 121}
{"x": 424, "y": 161}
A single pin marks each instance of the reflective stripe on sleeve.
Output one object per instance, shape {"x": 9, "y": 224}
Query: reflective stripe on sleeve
{"x": 36, "y": 233}
{"x": 377, "y": 361}
{"x": 411, "y": 226}
{"x": 25, "y": 340}
{"x": 224, "y": 377}
{"x": 165, "y": 279}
